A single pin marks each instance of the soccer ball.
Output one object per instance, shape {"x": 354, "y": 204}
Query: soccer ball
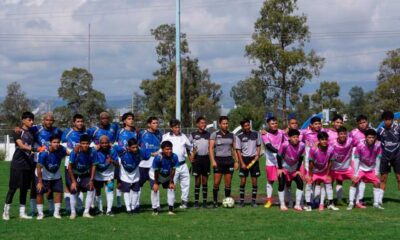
{"x": 228, "y": 202}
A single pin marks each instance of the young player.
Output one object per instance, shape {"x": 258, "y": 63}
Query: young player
{"x": 105, "y": 127}
{"x": 22, "y": 167}
{"x": 105, "y": 162}
{"x": 248, "y": 146}
{"x": 200, "y": 160}
{"x": 223, "y": 157}
{"x": 163, "y": 173}
{"x": 389, "y": 135}
{"x": 273, "y": 140}
{"x": 81, "y": 172}
{"x": 290, "y": 157}
{"x": 366, "y": 167}
{"x": 130, "y": 173}
{"x": 182, "y": 148}
{"x": 337, "y": 122}
{"x": 319, "y": 172}
{"x": 48, "y": 175}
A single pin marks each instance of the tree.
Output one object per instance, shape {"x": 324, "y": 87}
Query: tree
{"x": 357, "y": 102}
{"x": 248, "y": 91}
{"x": 389, "y": 66}
{"x": 14, "y": 104}
{"x": 278, "y": 49}
{"x": 76, "y": 89}
{"x": 388, "y": 93}
{"x": 249, "y": 111}
{"x": 327, "y": 96}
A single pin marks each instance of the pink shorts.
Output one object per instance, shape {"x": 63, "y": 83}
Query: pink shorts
{"x": 289, "y": 175}
{"x": 303, "y": 171}
{"x": 343, "y": 175}
{"x": 321, "y": 177}
{"x": 368, "y": 177}
{"x": 272, "y": 173}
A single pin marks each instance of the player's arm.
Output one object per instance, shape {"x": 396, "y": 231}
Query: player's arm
{"x": 258, "y": 149}
{"x": 235, "y": 154}
{"x": 211, "y": 152}
{"x": 310, "y": 169}
{"x": 92, "y": 173}
{"x": 171, "y": 179}
{"x": 378, "y": 164}
{"x": 239, "y": 152}
{"x": 299, "y": 162}
{"x": 271, "y": 148}
{"x": 39, "y": 185}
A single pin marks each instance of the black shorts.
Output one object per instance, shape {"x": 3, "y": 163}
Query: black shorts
{"x": 82, "y": 182}
{"x": 117, "y": 173}
{"x": 100, "y": 184}
{"x": 254, "y": 170}
{"x": 51, "y": 185}
{"x": 20, "y": 179}
{"x": 201, "y": 166}
{"x": 225, "y": 165}
{"x": 127, "y": 187}
{"x": 388, "y": 162}
{"x": 144, "y": 175}
{"x": 165, "y": 184}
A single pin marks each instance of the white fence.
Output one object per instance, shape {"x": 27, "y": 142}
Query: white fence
{"x": 8, "y": 147}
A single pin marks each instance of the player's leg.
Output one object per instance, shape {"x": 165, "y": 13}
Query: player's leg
{"x": 26, "y": 183}
{"x": 299, "y": 192}
{"x": 377, "y": 193}
{"x": 254, "y": 190}
{"x": 90, "y": 192}
{"x": 197, "y": 181}
{"x": 134, "y": 195}
{"x": 272, "y": 176}
{"x": 204, "y": 188}
{"x": 57, "y": 204}
{"x": 39, "y": 199}
{"x": 339, "y": 192}
{"x": 50, "y": 202}
{"x": 67, "y": 193}
{"x": 281, "y": 191}
{"x": 185, "y": 186}
{"x": 109, "y": 196}
{"x": 12, "y": 189}
{"x": 288, "y": 193}
{"x": 352, "y": 193}
{"x": 155, "y": 198}
{"x": 118, "y": 192}
{"x": 170, "y": 199}
{"x": 228, "y": 183}
{"x": 98, "y": 185}
{"x": 217, "y": 182}
{"x": 243, "y": 173}
{"x": 329, "y": 194}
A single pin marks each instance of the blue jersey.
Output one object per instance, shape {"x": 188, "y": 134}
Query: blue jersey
{"x": 101, "y": 159}
{"x": 51, "y": 161}
{"x": 111, "y": 131}
{"x": 149, "y": 143}
{"x": 124, "y": 135}
{"x": 82, "y": 161}
{"x": 43, "y": 135}
{"x": 71, "y": 137}
{"x": 165, "y": 165}
{"x": 390, "y": 140}
{"x": 129, "y": 161}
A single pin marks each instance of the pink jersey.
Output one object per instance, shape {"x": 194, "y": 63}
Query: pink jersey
{"x": 290, "y": 155}
{"x": 357, "y": 135}
{"x": 341, "y": 154}
{"x": 320, "y": 159}
{"x": 333, "y": 135}
{"x": 368, "y": 156}
{"x": 310, "y": 137}
{"x": 276, "y": 140}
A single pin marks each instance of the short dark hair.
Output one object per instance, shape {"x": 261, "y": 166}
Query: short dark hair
{"x": 387, "y": 115}
{"x": 342, "y": 129}
{"x": 244, "y": 121}
{"x": 55, "y": 136}
{"x": 336, "y": 117}
{"x": 370, "y": 132}
{"x": 166, "y": 144}
{"x": 361, "y": 117}
{"x": 322, "y": 135}
{"x": 271, "y": 119}
{"x": 222, "y": 118}
{"x": 151, "y": 119}
{"x": 84, "y": 138}
{"x": 126, "y": 115}
{"x": 27, "y": 115}
{"x": 293, "y": 132}
{"x": 315, "y": 119}
{"x": 174, "y": 122}
{"x": 200, "y": 119}
{"x": 132, "y": 141}
{"x": 77, "y": 116}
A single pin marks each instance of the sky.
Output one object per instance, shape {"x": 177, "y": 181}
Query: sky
{"x": 39, "y": 39}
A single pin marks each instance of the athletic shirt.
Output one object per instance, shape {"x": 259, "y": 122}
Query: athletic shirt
{"x": 341, "y": 154}
{"x": 368, "y": 155}
{"x": 70, "y": 138}
{"x": 51, "y": 162}
{"x": 276, "y": 140}
{"x": 104, "y": 170}
{"x": 332, "y": 135}
{"x": 199, "y": 140}
{"x": 357, "y": 135}
{"x": 23, "y": 160}
{"x": 291, "y": 155}
{"x": 223, "y": 143}
{"x": 320, "y": 159}
{"x": 310, "y": 137}
{"x": 43, "y": 135}
{"x": 390, "y": 140}
{"x": 111, "y": 131}
{"x": 129, "y": 162}
{"x": 149, "y": 143}
{"x": 247, "y": 143}
{"x": 164, "y": 165}
{"x": 82, "y": 161}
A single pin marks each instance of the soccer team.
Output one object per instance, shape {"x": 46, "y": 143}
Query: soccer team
{"x": 124, "y": 159}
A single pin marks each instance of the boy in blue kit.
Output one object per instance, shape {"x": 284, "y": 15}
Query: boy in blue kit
{"x": 105, "y": 127}
{"x": 162, "y": 173}
{"x": 81, "y": 172}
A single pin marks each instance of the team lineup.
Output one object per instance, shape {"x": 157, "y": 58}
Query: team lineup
{"x": 121, "y": 160}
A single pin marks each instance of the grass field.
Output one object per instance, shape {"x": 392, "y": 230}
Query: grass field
{"x": 237, "y": 223}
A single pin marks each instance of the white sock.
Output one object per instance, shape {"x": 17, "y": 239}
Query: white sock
{"x": 72, "y": 201}
{"x": 57, "y": 207}
{"x": 127, "y": 200}
{"x": 134, "y": 198}
{"x": 352, "y": 194}
{"x": 40, "y": 209}
{"x": 377, "y": 193}
{"x": 119, "y": 194}
{"x": 171, "y": 197}
{"x": 79, "y": 200}
{"x": 51, "y": 205}
{"x": 21, "y": 210}
{"x": 154, "y": 199}
{"x": 381, "y": 196}
{"x": 99, "y": 202}
{"x": 67, "y": 197}
{"x": 7, "y": 208}
{"x": 361, "y": 190}
{"x": 323, "y": 195}
{"x": 281, "y": 196}
{"x": 138, "y": 200}
{"x": 329, "y": 191}
{"x": 33, "y": 205}
{"x": 317, "y": 191}
{"x": 269, "y": 189}
{"x": 308, "y": 192}
{"x": 339, "y": 192}
{"x": 110, "y": 200}
{"x": 299, "y": 195}
{"x": 89, "y": 200}
{"x": 158, "y": 197}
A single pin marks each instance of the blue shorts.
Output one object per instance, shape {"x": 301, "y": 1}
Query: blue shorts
{"x": 165, "y": 185}
{"x": 51, "y": 186}
{"x": 127, "y": 187}
{"x": 82, "y": 183}
{"x": 144, "y": 175}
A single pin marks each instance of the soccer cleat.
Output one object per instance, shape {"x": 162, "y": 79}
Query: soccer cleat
{"x": 298, "y": 208}
{"x": 378, "y": 206}
{"x": 6, "y": 216}
{"x": 87, "y": 215}
{"x": 307, "y": 208}
{"x": 155, "y": 213}
{"x": 40, "y": 217}
{"x": 183, "y": 206}
{"x": 171, "y": 213}
{"x": 57, "y": 215}
{"x": 360, "y": 205}
{"x": 321, "y": 207}
{"x": 350, "y": 206}
{"x": 333, "y": 207}
{"x": 72, "y": 216}
{"x": 24, "y": 216}
{"x": 268, "y": 203}
{"x": 284, "y": 208}
{"x": 110, "y": 214}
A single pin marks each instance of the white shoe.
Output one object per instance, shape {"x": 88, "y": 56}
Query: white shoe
{"x": 57, "y": 215}
{"x": 87, "y": 215}
{"x": 307, "y": 208}
{"x": 350, "y": 207}
{"x": 333, "y": 207}
{"x": 171, "y": 213}
{"x": 378, "y": 206}
{"x": 183, "y": 206}
{"x": 6, "y": 216}
{"x": 24, "y": 216}
{"x": 284, "y": 208}
{"x": 40, "y": 217}
{"x": 72, "y": 216}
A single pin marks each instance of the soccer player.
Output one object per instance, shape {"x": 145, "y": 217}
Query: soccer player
{"x": 200, "y": 160}
{"x": 105, "y": 162}
{"x": 290, "y": 157}
{"x": 163, "y": 173}
{"x": 319, "y": 172}
{"x": 293, "y": 124}
{"x": 248, "y": 146}
{"x": 69, "y": 140}
{"x": 223, "y": 157}
{"x": 366, "y": 167}
{"x": 129, "y": 173}
{"x": 181, "y": 147}
{"x": 81, "y": 172}
{"x": 337, "y": 122}
{"x": 22, "y": 167}
{"x": 273, "y": 140}
{"x": 48, "y": 175}
{"x": 389, "y": 135}
{"x": 149, "y": 142}
{"x": 105, "y": 127}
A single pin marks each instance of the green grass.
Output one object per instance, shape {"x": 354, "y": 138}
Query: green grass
{"x": 237, "y": 223}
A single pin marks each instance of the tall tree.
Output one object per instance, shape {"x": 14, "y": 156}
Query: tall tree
{"x": 248, "y": 91}
{"x": 357, "y": 102}
{"x": 14, "y": 104}
{"x": 388, "y": 93}
{"x": 249, "y": 111}
{"x": 390, "y": 66}
{"x": 77, "y": 91}
{"x": 327, "y": 96}
{"x": 278, "y": 49}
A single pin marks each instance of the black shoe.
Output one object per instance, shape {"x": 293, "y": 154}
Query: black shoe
{"x": 215, "y": 205}
{"x": 196, "y": 205}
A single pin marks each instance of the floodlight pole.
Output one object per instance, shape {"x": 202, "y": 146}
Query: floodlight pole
{"x": 178, "y": 60}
